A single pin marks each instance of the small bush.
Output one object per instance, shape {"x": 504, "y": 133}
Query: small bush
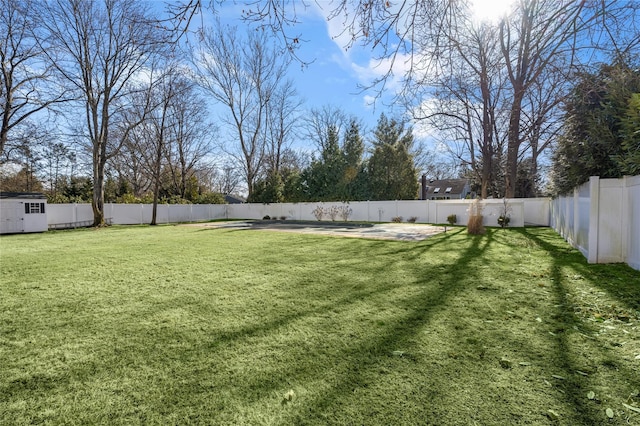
{"x": 452, "y": 219}
{"x": 333, "y": 212}
{"x": 318, "y": 212}
{"x": 504, "y": 218}
{"x": 412, "y": 219}
{"x": 266, "y": 217}
{"x": 503, "y": 221}
{"x": 396, "y": 219}
{"x": 283, "y": 218}
{"x": 345, "y": 212}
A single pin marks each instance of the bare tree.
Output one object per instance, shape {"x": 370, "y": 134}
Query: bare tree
{"x": 534, "y": 38}
{"x": 191, "y": 133}
{"x": 541, "y": 43}
{"x": 282, "y": 123}
{"x": 24, "y": 76}
{"x": 99, "y": 48}
{"x": 465, "y": 103}
{"x": 226, "y": 180}
{"x": 320, "y": 120}
{"x": 242, "y": 75}
{"x": 130, "y": 164}
{"x": 151, "y": 137}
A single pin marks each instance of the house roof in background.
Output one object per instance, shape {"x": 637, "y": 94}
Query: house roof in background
{"x": 234, "y": 199}
{"x": 447, "y": 186}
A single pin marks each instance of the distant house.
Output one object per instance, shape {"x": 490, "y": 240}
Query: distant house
{"x": 22, "y": 212}
{"x": 234, "y": 199}
{"x": 447, "y": 189}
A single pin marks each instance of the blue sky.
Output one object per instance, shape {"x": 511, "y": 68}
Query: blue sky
{"x": 334, "y": 75}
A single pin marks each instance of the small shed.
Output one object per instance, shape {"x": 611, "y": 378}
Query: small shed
{"x": 22, "y": 212}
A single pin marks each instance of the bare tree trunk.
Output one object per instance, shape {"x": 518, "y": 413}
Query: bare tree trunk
{"x": 513, "y": 144}
{"x": 97, "y": 201}
{"x": 156, "y": 178}
{"x": 98, "y": 47}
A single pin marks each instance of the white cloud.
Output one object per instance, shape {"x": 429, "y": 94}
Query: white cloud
{"x": 490, "y": 10}
{"x": 359, "y": 60}
{"x": 369, "y": 101}
{"x": 422, "y": 128}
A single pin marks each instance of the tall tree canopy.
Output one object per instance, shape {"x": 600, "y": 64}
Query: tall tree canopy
{"x": 600, "y": 129}
{"x": 500, "y": 84}
{"x": 243, "y": 74}
{"x": 99, "y": 48}
{"x": 25, "y": 78}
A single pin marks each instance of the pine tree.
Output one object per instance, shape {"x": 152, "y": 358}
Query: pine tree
{"x": 391, "y": 169}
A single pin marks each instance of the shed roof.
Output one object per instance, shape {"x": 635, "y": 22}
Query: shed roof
{"x": 23, "y": 195}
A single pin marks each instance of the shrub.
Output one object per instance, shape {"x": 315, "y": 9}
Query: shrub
{"x": 452, "y": 219}
{"x": 266, "y": 217}
{"x": 475, "y": 226}
{"x": 283, "y": 218}
{"x": 345, "y": 212}
{"x": 318, "y": 212}
{"x": 333, "y": 212}
{"x": 503, "y": 221}
{"x": 396, "y": 219}
{"x": 412, "y": 219}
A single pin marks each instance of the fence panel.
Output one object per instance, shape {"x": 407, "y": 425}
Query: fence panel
{"x": 61, "y": 213}
{"x": 633, "y": 221}
{"x": 582, "y": 218}
{"x": 612, "y": 237}
{"x": 536, "y": 211}
{"x": 602, "y": 220}
{"x": 129, "y": 214}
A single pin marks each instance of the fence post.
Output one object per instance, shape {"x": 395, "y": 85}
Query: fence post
{"x": 594, "y": 218}
{"x": 626, "y": 214}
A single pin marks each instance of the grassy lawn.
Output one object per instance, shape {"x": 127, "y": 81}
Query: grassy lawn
{"x": 184, "y": 325}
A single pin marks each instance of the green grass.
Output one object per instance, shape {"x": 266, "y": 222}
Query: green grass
{"x": 187, "y": 325}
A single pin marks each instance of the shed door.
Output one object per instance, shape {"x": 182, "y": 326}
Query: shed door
{"x": 11, "y": 217}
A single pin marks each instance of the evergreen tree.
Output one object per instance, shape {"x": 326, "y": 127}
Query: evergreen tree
{"x": 391, "y": 170}
{"x": 268, "y": 190}
{"x": 630, "y": 158}
{"x": 353, "y": 185}
{"x": 593, "y": 139}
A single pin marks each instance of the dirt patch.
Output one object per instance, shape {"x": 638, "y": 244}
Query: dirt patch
{"x": 382, "y": 231}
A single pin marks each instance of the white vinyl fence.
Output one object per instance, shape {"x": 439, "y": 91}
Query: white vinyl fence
{"x": 70, "y": 215}
{"x": 602, "y": 219}
{"x": 534, "y": 211}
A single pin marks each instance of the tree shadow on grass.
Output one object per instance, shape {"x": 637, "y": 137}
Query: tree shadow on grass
{"x": 365, "y": 357}
{"x": 578, "y": 348}
{"x": 356, "y": 361}
{"x": 619, "y": 280}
